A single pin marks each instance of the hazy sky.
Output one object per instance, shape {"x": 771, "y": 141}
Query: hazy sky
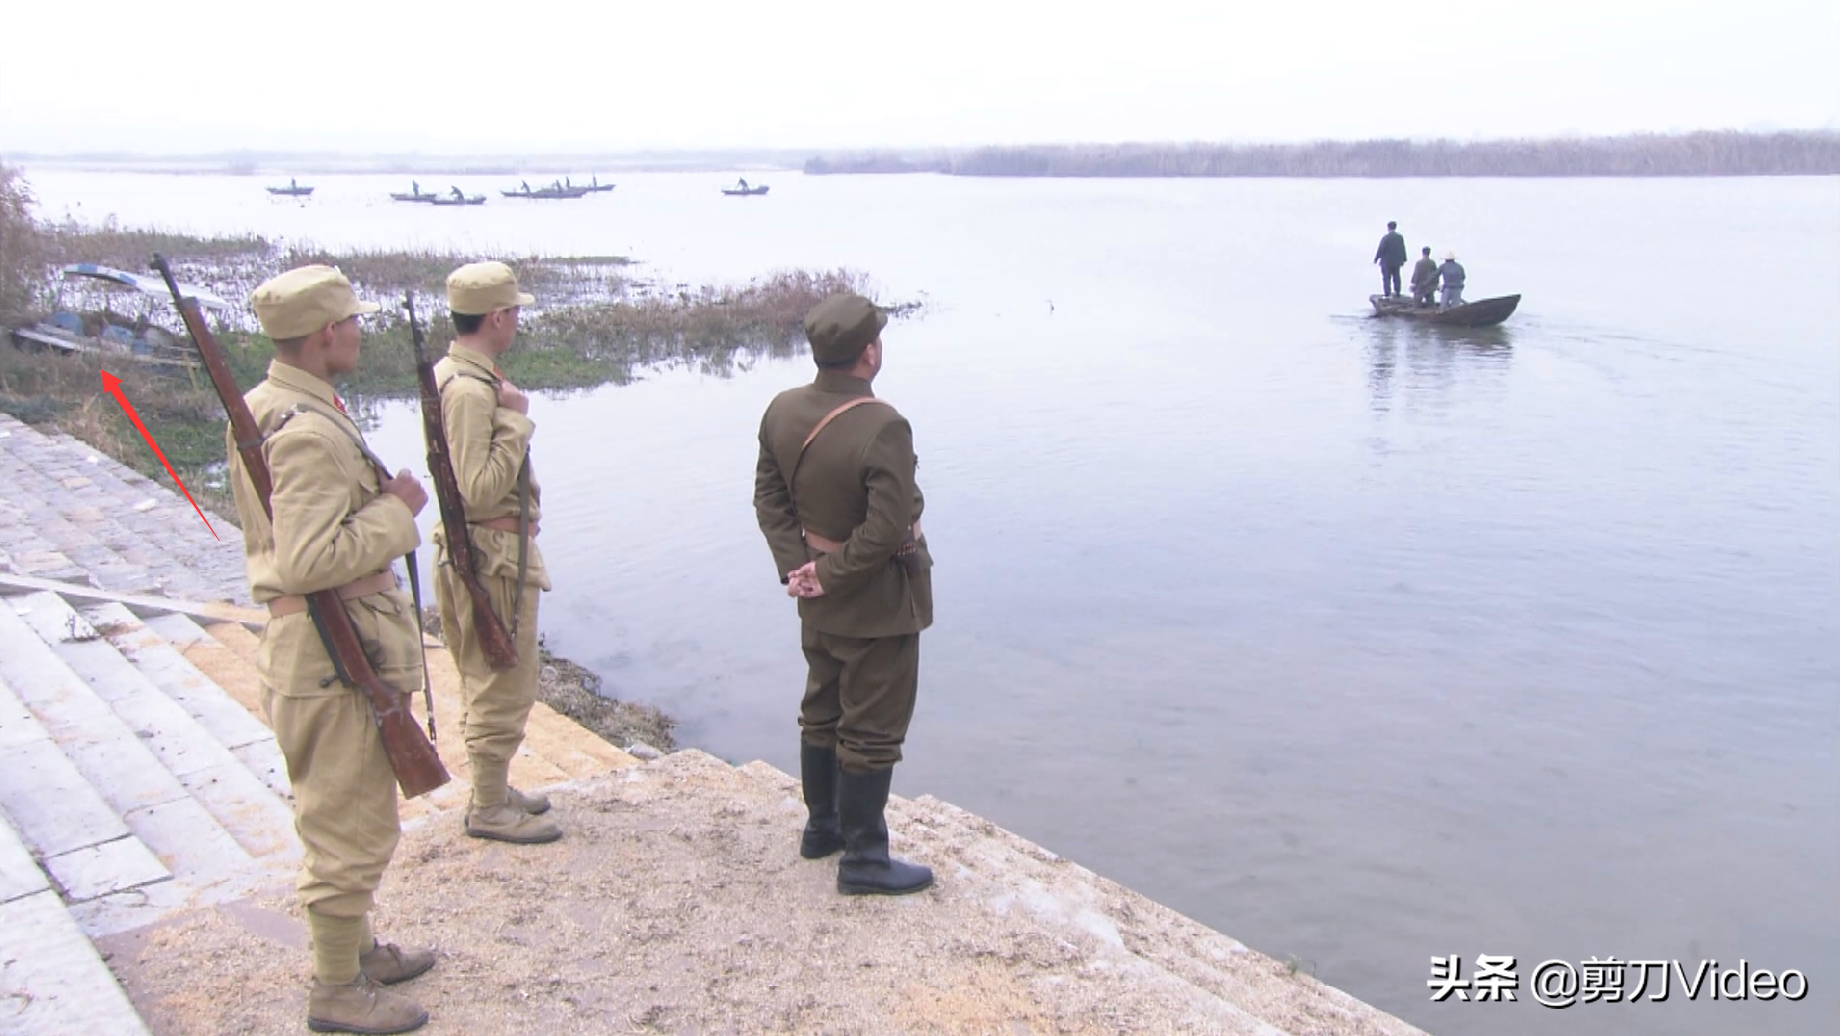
{"x": 210, "y": 75}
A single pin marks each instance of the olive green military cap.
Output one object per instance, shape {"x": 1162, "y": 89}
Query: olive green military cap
{"x": 840, "y": 327}
{"x": 303, "y": 300}
{"x": 480, "y": 288}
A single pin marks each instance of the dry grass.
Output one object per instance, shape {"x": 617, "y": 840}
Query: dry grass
{"x": 64, "y": 393}
{"x": 596, "y": 323}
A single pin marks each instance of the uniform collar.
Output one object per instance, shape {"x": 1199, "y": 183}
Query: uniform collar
{"x": 476, "y": 359}
{"x": 295, "y": 379}
{"x": 837, "y": 381}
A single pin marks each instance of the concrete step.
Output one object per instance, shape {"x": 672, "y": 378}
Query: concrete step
{"x": 204, "y": 766}
{"x": 238, "y": 640}
{"x": 53, "y": 982}
{"x": 88, "y": 779}
{"x": 111, "y": 756}
{"x": 20, "y": 874}
{"x": 79, "y": 840}
{"x": 157, "y": 648}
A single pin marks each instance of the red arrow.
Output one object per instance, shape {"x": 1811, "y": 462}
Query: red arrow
{"x": 112, "y": 385}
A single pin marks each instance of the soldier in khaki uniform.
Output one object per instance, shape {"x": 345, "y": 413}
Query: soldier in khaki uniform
{"x": 339, "y": 522}
{"x": 488, "y": 437}
{"x": 836, "y": 497}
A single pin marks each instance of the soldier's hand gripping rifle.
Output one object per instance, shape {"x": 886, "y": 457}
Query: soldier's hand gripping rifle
{"x": 496, "y": 641}
{"x": 412, "y": 756}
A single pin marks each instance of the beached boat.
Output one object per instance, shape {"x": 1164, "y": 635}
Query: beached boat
{"x": 108, "y": 331}
{"x": 1480, "y": 313}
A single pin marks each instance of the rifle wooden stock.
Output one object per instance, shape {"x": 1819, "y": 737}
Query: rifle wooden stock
{"x": 495, "y": 640}
{"x": 412, "y": 756}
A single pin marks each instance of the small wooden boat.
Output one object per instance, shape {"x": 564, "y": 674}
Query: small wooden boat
{"x": 415, "y": 194}
{"x": 744, "y": 192}
{"x": 552, "y": 192}
{"x": 463, "y": 199}
{"x": 595, "y": 185}
{"x": 1481, "y": 313}
{"x": 292, "y": 190}
{"x": 131, "y": 333}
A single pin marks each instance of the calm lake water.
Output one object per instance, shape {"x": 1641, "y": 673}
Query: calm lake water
{"x": 1359, "y": 642}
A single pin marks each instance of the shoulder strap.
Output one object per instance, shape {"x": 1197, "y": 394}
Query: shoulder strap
{"x": 464, "y": 373}
{"x": 823, "y": 422}
{"x": 409, "y": 560}
{"x": 834, "y": 414}
{"x": 344, "y": 423}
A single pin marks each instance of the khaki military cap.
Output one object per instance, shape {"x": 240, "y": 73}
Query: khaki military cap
{"x": 303, "y": 300}
{"x": 840, "y": 327}
{"x": 480, "y": 288}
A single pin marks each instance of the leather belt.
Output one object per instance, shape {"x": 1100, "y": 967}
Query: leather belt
{"x": 375, "y": 583}
{"x": 508, "y": 523}
{"x": 825, "y": 545}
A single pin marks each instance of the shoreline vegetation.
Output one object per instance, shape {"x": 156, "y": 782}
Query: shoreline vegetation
{"x": 596, "y": 322}
{"x": 1793, "y": 153}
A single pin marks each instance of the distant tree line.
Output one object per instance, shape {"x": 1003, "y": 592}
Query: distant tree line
{"x": 1809, "y": 153}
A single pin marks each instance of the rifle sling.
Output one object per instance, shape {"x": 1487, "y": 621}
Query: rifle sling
{"x": 523, "y": 484}
{"x": 345, "y": 422}
{"x": 517, "y": 595}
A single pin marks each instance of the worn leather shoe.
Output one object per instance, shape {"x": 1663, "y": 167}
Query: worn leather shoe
{"x": 532, "y": 802}
{"x": 362, "y": 1007}
{"x": 389, "y": 963}
{"x": 508, "y": 823}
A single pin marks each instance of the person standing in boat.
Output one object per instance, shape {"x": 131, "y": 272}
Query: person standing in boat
{"x": 1391, "y": 255}
{"x": 1452, "y": 274}
{"x": 1425, "y": 279}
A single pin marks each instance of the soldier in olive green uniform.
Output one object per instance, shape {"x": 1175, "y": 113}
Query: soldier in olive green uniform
{"x": 339, "y": 522}
{"x": 836, "y": 497}
{"x": 488, "y": 437}
{"x": 1425, "y": 279}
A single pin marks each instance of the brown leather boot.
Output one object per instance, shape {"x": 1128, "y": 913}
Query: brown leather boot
{"x": 532, "y": 802}
{"x": 389, "y": 963}
{"x": 507, "y": 823}
{"x": 362, "y": 1007}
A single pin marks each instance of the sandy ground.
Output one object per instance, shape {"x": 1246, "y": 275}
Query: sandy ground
{"x": 678, "y": 904}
